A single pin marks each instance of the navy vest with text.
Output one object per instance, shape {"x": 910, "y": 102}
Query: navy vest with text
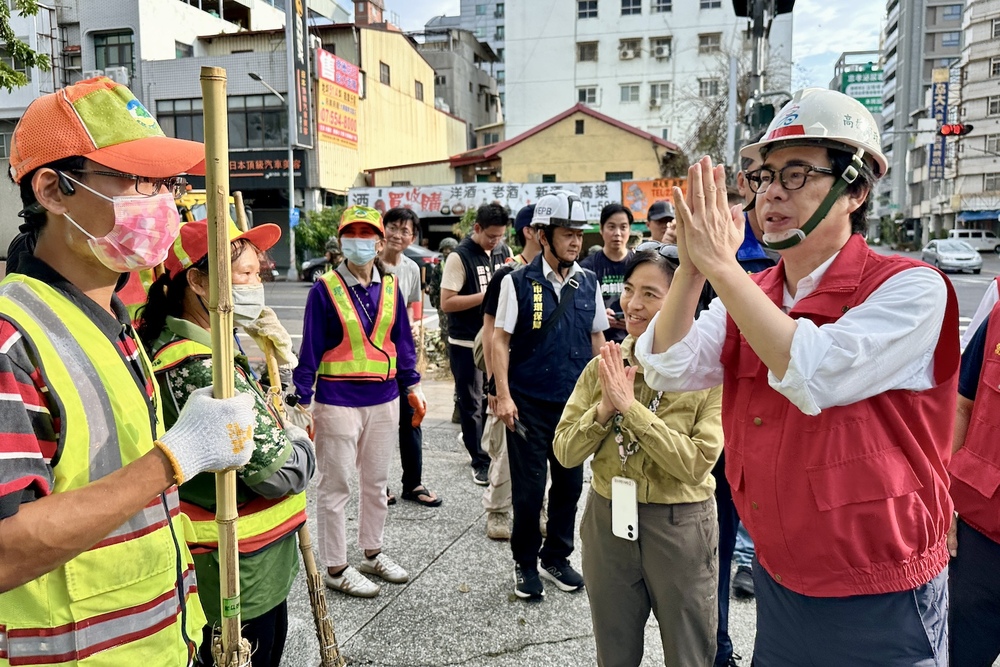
{"x": 548, "y": 368}
{"x": 479, "y": 268}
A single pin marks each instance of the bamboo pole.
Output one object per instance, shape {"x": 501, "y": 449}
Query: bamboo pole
{"x": 233, "y": 650}
{"x": 329, "y": 650}
{"x": 241, "y": 212}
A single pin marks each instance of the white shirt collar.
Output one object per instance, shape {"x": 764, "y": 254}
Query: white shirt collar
{"x": 550, "y": 274}
{"x": 806, "y": 285}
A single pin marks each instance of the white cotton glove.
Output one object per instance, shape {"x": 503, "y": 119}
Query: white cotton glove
{"x": 301, "y": 417}
{"x": 267, "y": 328}
{"x": 210, "y": 434}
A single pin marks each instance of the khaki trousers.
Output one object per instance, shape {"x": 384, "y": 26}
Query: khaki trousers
{"x": 671, "y": 570}
{"x": 496, "y": 497}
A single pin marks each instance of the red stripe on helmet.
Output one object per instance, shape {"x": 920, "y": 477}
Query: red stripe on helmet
{"x": 788, "y": 130}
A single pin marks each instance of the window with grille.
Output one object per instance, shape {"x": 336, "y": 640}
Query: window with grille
{"x": 418, "y": 90}
{"x": 630, "y": 92}
{"x": 587, "y": 95}
{"x": 996, "y": 29}
{"x": 631, "y": 7}
{"x": 113, "y": 49}
{"x": 660, "y": 47}
{"x": 661, "y": 6}
{"x": 659, "y": 91}
{"x": 6, "y": 132}
{"x": 710, "y": 42}
{"x": 586, "y": 9}
{"x": 710, "y": 4}
{"x": 991, "y": 182}
{"x": 708, "y": 87}
{"x": 586, "y": 52}
{"x": 995, "y": 66}
{"x": 632, "y": 45}
{"x": 993, "y": 106}
{"x": 383, "y": 73}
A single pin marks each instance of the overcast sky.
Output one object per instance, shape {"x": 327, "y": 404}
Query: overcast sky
{"x": 823, "y": 29}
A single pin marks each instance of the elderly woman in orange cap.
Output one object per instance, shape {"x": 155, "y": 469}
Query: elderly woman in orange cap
{"x": 174, "y": 326}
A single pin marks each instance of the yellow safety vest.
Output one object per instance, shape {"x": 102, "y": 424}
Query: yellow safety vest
{"x": 130, "y": 599}
{"x": 358, "y": 356}
{"x": 262, "y": 521}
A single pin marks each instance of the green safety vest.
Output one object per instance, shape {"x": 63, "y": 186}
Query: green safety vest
{"x": 130, "y": 599}
{"x": 261, "y": 521}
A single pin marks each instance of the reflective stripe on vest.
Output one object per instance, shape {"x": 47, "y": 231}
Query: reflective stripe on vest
{"x": 80, "y": 640}
{"x": 141, "y": 571}
{"x": 261, "y": 521}
{"x": 359, "y": 356}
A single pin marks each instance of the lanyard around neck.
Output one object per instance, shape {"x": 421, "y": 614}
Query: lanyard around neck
{"x": 627, "y": 450}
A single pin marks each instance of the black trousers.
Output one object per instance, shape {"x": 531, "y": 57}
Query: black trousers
{"x": 974, "y": 586}
{"x": 266, "y": 635}
{"x": 729, "y": 523}
{"x": 529, "y": 460}
{"x": 469, "y": 382}
{"x": 411, "y": 443}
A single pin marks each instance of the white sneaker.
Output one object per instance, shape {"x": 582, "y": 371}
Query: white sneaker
{"x": 384, "y": 567}
{"x": 353, "y": 583}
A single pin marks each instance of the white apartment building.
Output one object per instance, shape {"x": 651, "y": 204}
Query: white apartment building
{"x": 652, "y": 64}
{"x": 486, "y": 20}
{"x": 976, "y": 198}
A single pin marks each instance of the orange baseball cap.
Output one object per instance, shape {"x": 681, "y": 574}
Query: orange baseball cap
{"x": 192, "y": 242}
{"x": 102, "y": 121}
{"x": 361, "y": 214}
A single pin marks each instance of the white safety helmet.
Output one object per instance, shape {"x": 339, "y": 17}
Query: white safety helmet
{"x": 560, "y": 209}
{"x": 827, "y": 117}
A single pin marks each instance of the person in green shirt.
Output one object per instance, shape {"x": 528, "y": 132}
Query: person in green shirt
{"x": 174, "y": 326}
{"x": 663, "y": 446}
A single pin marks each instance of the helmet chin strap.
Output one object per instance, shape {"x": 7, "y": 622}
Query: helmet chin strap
{"x": 792, "y": 237}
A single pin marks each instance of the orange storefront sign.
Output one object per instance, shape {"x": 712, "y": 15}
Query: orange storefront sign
{"x": 639, "y": 195}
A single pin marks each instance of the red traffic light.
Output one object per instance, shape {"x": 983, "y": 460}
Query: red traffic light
{"x": 954, "y": 129}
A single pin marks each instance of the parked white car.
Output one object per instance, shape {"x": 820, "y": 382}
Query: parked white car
{"x": 952, "y": 255}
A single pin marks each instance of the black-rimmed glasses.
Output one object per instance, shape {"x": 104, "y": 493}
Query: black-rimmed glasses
{"x": 145, "y": 186}
{"x": 792, "y": 177}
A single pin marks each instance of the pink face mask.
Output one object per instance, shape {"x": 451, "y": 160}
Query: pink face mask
{"x": 145, "y": 227}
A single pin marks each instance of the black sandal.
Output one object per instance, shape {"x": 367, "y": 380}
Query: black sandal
{"x": 418, "y": 494}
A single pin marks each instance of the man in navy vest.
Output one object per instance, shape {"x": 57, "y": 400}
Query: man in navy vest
{"x": 540, "y": 347}
{"x": 467, "y": 272}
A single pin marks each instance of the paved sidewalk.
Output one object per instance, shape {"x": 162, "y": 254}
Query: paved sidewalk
{"x": 459, "y": 607}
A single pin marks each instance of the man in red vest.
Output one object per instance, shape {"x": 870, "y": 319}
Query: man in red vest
{"x": 974, "y": 541}
{"x": 839, "y": 369}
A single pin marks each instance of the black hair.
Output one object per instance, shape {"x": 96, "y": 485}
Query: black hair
{"x": 401, "y": 213}
{"x": 32, "y": 212}
{"x": 491, "y": 215}
{"x": 649, "y": 257}
{"x": 613, "y": 208}
{"x": 166, "y": 295}
{"x": 519, "y": 237}
{"x": 839, "y": 161}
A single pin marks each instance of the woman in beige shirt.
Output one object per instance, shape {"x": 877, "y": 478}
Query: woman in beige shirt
{"x": 663, "y": 446}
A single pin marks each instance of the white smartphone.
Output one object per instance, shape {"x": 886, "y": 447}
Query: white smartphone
{"x": 624, "y": 509}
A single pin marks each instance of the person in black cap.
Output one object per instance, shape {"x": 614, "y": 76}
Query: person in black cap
{"x": 660, "y": 220}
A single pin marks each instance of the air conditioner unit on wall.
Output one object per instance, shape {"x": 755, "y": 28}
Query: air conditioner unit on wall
{"x": 626, "y": 54}
{"x": 661, "y": 52}
{"x": 654, "y": 102}
{"x": 91, "y": 73}
{"x": 117, "y": 74}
